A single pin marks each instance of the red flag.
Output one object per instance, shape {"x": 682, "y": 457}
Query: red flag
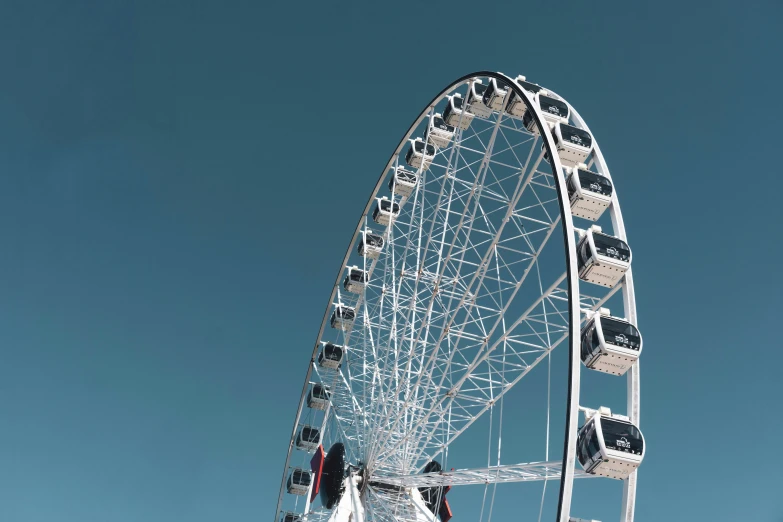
{"x": 445, "y": 511}
{"x": 317, "y": 467}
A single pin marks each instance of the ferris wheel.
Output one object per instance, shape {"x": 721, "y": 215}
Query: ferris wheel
{"x": 493, "y": 236}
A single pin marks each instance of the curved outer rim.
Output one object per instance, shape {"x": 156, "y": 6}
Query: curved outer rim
{"x": 574, "y": 318}
{"x": 629, "y": 301}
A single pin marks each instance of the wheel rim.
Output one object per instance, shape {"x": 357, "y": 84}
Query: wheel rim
{"x": 399, "y": 404}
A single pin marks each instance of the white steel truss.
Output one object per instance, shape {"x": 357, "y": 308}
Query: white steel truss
{"x": 460, "y": 305}
{"x": 535, "y": 471}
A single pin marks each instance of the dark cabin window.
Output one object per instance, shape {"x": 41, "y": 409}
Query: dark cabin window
{"x": 595, "y": 182}
{"x": 404, "y": 175}
{"x": 373, "y": 240}
{"x": 581, "y": 451}
{"x": 386, "y": 206}
{"x": 611, "y": 247}
{"x": 333, "y": 352}
{"x": 570, "y": 186}
{"x": 595, "y": 342}
{"x": 419, "y": 147}
{"x": 301, "y": 477}
{"x": 620, "y": 333}
{"x": 309, "y": 434}
{"x": 588, "y": 346}
{"x": 527, "y": 119}
{"x": 589, "y": 444}
{"x": 515, "y": 98}
{"x": 359, "y": 276}
{"x": 553, "y": 106}
{"x": 621, "y": 436}
{"x": 345, "y": 313}
{"x": 438, "y": 123}
{"x": 576, "y": 136}
{"x": 593, "y": 446}
{"x": 501, "y": 84}
{"x": 319, "y": 392}
{"x": 584, "y": 253}
{"x": 496, "y": 88}
{"x": 529, "y": 87}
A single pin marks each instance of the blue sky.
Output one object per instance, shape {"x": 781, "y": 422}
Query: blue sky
{"x": 161, "y": 281}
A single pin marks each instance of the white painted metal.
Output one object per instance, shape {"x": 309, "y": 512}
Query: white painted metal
{"x": 446, "y": 325}
{"x": 597, "y": 267}
{"x": 299, "y": 481}
{"x": 439, "y": 133}
{"x": 369, "y": 246}
{"x": 385, "y": 211}
{"x": 355, "y": 280}
{"x": 318, "y": 398}
{"x": 571, "y": 149}
{"x": 403, "y": 182}
{"x": 494, "y": 97}
{"x": 535, "y": 471}
{"x": 629, "y": 303}
{"x": 343, "y": 317}
{"x": 455, "y": 115}
{"x": 553, "y": 110}
{"x": 609, "y": 462}
{"x": 475, "y": 100}
{"x": 350, "y": 508}
{"x": 331, "y": 355}
{"x": 611, "y": 355}
{"x": 305, "y": 439}
{"x": 588, "y": 202}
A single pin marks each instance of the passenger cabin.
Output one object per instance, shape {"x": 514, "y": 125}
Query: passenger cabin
{"x": 342, "y": 317}
{"x": 385, "y": 211}
{"x": 602, "y": 259}
{"x": 318, "y": 397}
{"x": 403, "y": 182}
{"x": 609, "y": 446}
{"x": 370, "y": 245}
{"x": 331, "y": 356}
{"x": 355, "y": 280}
{"x": 590, "y": 193}
{"x": 290, "y": 516}
{"x": 299, "y": 481}
{"x": 419, "y": 154}
{"x": 573, "y": 145}
{"x": 609, "y": 344}
{"x": 532, "y": 88}
{"x": 454, "y": 113}
{"x": 439, "y": 133}
{"x": 554, "y": 111}
{"x": 516, "y": 105}
{"x": 476, "y": 100}
{"x": 308, "y": 438}
{"x": 495, "y": 94}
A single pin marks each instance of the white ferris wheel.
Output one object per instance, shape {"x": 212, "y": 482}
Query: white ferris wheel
{"x": 478, "y": 253}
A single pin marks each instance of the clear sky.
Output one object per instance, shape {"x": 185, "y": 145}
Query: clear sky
{"x": 162, "y": 281}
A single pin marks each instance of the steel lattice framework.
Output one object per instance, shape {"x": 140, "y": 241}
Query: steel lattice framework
{"x": 458, "y": 308}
